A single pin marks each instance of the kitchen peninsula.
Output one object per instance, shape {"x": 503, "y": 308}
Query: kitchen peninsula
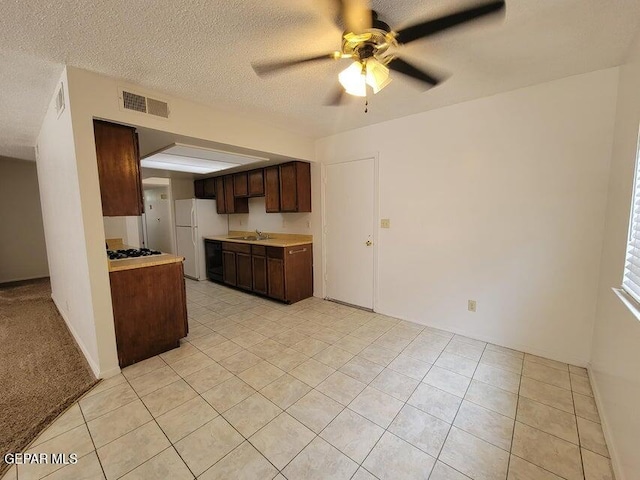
{"x": 149, "y": 304}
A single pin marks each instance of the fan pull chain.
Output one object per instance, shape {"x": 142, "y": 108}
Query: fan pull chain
{"x": 366, "y": 105}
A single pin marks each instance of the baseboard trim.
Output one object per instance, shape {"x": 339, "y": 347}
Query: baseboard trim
{"x": 606, "y": 430}
{"x": 580, "y": 362}
{"x": 94, "y": 367}
{"x": 16, "y": 282}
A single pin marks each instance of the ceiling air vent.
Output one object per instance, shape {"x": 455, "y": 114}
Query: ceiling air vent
{"x": 140, "y": 103}
{"x": 131, "y": 101}
{"x": 158, "y": 108}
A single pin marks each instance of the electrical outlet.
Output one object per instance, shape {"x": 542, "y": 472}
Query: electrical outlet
{"x": 385, "y": 223}
{"x": 471, "y": 305}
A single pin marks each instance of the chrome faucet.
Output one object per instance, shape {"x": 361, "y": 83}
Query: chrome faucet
{"x": 260, "y": 235}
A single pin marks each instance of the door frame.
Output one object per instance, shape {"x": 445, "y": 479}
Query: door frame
{"x": 376, "y": 219}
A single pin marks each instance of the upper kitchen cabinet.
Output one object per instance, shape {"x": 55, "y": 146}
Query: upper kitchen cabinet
{"x": 198, "y": 188}
{"x": 240, "y": 184}
{"x": 204, "y": 188}
{"x": 118, "y": 169}
{"x": 272, "y": 189}
{"x": 226, "y": 202}
{"x": 288, "y": 187}
{"x": 256, "y": 183}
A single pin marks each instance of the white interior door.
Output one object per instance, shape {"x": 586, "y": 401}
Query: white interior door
{"x": 350, "y": 223}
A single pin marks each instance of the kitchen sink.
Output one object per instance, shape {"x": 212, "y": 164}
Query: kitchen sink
{"x": 249, "y": 238}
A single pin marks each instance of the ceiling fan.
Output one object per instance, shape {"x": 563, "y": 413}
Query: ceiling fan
{"x": 371, "y": 45}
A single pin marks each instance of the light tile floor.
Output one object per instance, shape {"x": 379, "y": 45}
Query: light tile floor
{"x": 260, "y": 390}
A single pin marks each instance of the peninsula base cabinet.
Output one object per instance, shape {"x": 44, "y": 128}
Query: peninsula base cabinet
{"x": 149, "y": 310}
{"x": 281, "y": 273}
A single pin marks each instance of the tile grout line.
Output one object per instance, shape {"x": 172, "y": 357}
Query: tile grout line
{"x": 343, "y": 409}
{"x": 459, "y": 407}
{"x": 153, "y": 418}
{"x": 404, "y": 404}
{"x": 515, "y": 420}
{"x": 95, "y": 449}
{"x": 573, "y": 403}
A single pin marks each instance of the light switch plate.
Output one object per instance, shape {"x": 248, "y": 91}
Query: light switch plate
{"x": 385, "y": 223}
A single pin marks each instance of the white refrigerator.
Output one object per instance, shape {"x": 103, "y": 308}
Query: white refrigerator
{"x": 196, "y": 219}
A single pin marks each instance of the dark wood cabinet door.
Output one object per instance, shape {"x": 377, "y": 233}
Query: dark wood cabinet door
{"x": 272, "y": 189}
{"x": 275, "y": 278}
{"x": 288, "y": 194}
{"x": 229, "y": 199}
{"x": 303, "y": 187}
{"x": 240, "y": 184}
{"x": 229, "y": 268}
{"x": 295, "y": 187}
{"x": 198, "y": 188}
{"x": 256, "y": 183}
{"x": 259, "y": 267}
{"x": 118, "y": 169}
{"x": 244, "y": 271}
{"x": 221, "y": 206}
{"x": 149, "y": 310}
{"x": 209, "y": 188}
{"x": 298, "y": 272}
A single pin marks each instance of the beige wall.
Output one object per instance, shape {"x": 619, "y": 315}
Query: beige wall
{"x": 615, "y": 364}
{"x": 23, "y": 253}
{"x": 500, "y": 200}
{"x": 64, "y": 227}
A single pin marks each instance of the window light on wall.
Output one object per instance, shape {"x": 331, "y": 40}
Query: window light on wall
{"x": 631, "y": 278}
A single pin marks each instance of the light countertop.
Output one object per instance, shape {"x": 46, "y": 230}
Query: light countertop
{"x": 139, "y": 262}
{"x": 283, "y": 240}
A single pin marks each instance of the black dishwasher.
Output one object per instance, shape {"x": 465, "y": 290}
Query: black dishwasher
{"x": 213, "y": 252}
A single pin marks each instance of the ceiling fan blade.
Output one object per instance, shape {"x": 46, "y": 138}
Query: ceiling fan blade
{"x": 266, "y": 68}
{"x": 354, "y": 15}
{"x": 336, "y": 97}
{"x": 405, "y": 68}
{"x": 431, "y": 27}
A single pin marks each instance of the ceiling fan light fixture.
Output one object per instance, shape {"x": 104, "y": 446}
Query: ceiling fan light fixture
{"x": 377, "y": 75}
{"x": 353, "y": 79}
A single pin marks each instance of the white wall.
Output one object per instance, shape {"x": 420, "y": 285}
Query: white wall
{"x": 500, "y": 200}
{"x": 129, "y": 229}
{"x": 158, "y": 215}
{"x": 258, "y": 218}
{"x": 615, "y": 364}
{"x": 62, "y": 213}
{"x": 182, "y": 188}
{"x": 23, "y": 253}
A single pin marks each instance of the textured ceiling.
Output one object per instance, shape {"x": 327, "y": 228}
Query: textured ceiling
{"x": 201, "y": 50}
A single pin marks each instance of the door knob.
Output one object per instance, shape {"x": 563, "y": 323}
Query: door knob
{"x": 368, "y": 243}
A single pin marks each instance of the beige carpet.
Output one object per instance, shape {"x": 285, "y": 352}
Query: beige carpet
{"x": 42, "y": 371}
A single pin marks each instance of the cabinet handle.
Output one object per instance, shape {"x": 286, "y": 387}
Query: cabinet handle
{"x": 291, "y": 252}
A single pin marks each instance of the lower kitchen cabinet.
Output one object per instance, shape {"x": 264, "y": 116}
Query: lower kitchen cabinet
{"x": 295, "y": 272}
{"x": 259, "y": 272}
{"x": 229, "y": 275}
{"x": 275, "y": 278}
{"x": 281, "y": 273}
{"x": 149, "y": 310}
{"x": 243, "y": 269}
